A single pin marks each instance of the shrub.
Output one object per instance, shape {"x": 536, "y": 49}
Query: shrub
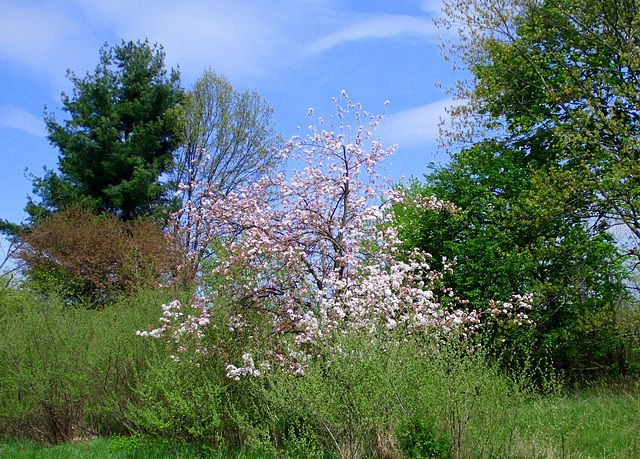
{"x": 70, "y": 372}
{"x": 80, "y": 255}
{"x": 419, "y": 439}
{"x": 407, "y": 396}
{"x": 179, "y": 403}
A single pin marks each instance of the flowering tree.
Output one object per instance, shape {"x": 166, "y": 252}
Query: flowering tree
{"x": 316, "y": 255}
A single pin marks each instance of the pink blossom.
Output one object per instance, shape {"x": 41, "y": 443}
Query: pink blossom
{"x": 318, "y": 255}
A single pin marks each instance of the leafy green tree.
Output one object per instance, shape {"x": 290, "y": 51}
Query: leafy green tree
{"x": 119, "y": 139}
{"x": 229, "y": 139}
{"x": 560, "y": 81}
{"x": 557, "y": 84}
{"x": 504, "y": 246}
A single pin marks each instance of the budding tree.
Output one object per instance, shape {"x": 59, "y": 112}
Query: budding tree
{"x": 228, "y": 138}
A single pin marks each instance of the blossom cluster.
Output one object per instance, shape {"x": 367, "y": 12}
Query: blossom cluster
{"x": 317, "y": 254}
{"x": 180, "y": 329}
{"x": 514, "y": 310}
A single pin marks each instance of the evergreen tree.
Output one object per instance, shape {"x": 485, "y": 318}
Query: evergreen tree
{"x": 119, "y": 139}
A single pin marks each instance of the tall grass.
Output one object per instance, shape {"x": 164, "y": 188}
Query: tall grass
{"x": 585, "y": 424}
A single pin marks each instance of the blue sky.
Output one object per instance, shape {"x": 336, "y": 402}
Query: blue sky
{"x": 296, "y": 53}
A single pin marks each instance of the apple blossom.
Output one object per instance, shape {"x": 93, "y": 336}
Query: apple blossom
{"x": 317, "y": 253}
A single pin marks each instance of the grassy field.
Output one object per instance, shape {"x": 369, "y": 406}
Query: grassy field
{"x": 66, "y": 369}
{"x": 591, "y": 424}
{"x": 581, "y": 426}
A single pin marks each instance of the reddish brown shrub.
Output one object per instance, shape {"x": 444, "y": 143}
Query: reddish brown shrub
{"x": 83, "y": 255}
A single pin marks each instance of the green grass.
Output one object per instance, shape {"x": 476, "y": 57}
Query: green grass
{"x": 586, "y": 425}
{"x": 579, "y": 426}
{"x": 102, "y": 448}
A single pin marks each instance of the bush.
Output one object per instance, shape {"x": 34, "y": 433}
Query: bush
{"x": 414, "y": 397}
{"x": 179, "y": 402}
{"x": 345, "y": 402}
{"x": 420, "y": 439}
{"x": 77, "y": 254}
{"x": 68, "y": 372}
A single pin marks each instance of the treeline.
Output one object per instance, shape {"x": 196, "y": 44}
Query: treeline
{"x": 133, "y": 138}
{"x": 545, "y": 174}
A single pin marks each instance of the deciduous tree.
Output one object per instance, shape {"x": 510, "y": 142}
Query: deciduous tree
{"x": 229, "y": 139}
{"x": 503, "y": 245}
{"x": 83, "y": 256}
{"x": 558, "y": 80}
{"x": 321, "y": 260}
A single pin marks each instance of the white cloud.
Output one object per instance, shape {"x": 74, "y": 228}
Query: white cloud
{"x": 432, "y": 6}
{"x": 16, "y": 118}
{"x": 230, "y": 36}
{"x": 384, "y": 26}
{"x": 415, "y": 126}
{"x": 240, "y": 38}
{"x": 45, "y": 38}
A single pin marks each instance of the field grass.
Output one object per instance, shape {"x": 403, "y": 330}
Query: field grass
{"x": 593, "y": 424}
{"x": 579, "y": 426}
{"x": 102, "y": 448}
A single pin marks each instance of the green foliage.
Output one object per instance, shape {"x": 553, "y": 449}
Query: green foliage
{"x": 68, "y": 373}
{"x": 120, "y": 136}
{"x": 418, "y": 439}
{"x": 570, "y": 77}
{"x": 600, "y": 423}
{"x": 557, "y": 81}
{"x": 179, "y": 402}
{"x": 553, "y": 104}
{"x": 10, "y": 229}
{"x": 345, "y": 403}
{"x": 184, "y": 395}
{"x": 418, "y": 396}
{"x": 505, "y": 245}
{"x": 141, "y": 446}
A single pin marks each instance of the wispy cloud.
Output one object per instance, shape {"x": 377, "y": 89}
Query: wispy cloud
{"x": 384, "y": 26}
{"x": 239, "y": 38}
{"x": 230, "y": 36}
{"x": 49, "y": 37}
{"x": 432, "y": 6}
{"x": 16, "y": 118}
{"x": 44, "y": 37}
{"x": 415, "y": 126}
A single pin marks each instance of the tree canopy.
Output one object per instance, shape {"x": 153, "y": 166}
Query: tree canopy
{"x": 547, "y": 167}
{"x": 503, "y": 246}
{"x": 229, "y": 132}
{"x": 559, "y": 80}
{"x": 229, "y": 140}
